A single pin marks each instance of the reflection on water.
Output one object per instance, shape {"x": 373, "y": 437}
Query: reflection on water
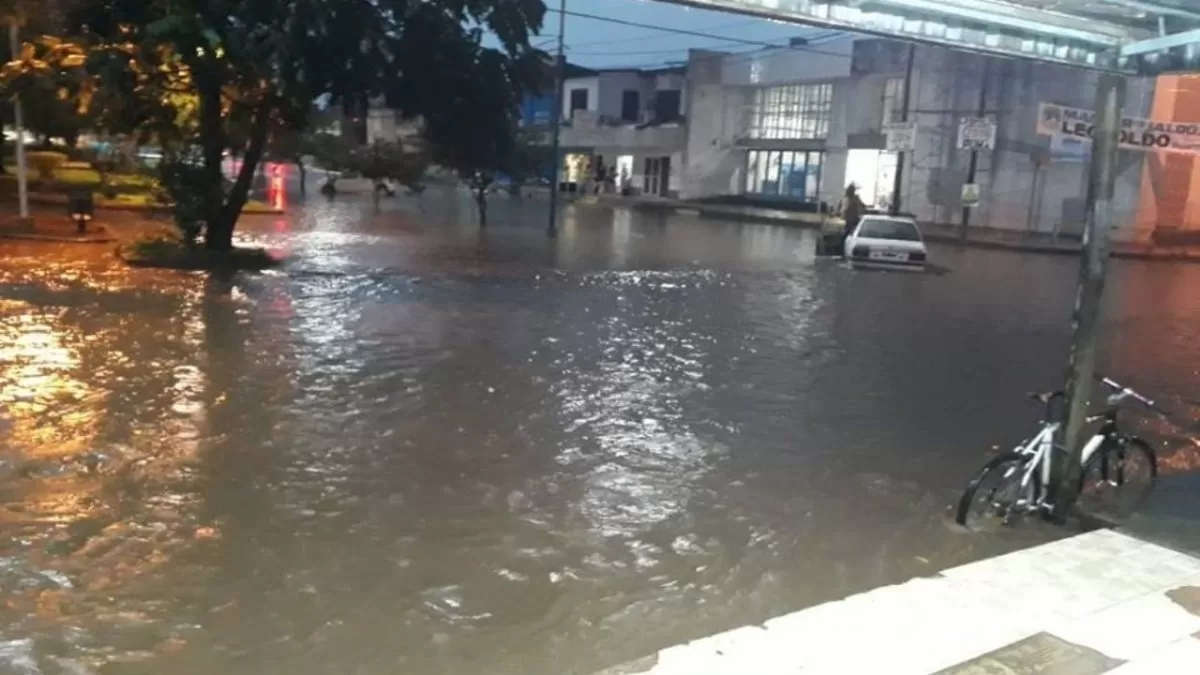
{"x": 420, "y": 448}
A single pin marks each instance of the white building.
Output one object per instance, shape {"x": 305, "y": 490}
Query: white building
{"x": 625, "y": 124}
{"x": 799, "y": 124}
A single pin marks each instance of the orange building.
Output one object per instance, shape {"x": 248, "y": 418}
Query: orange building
{"x": 1169, "y": 201}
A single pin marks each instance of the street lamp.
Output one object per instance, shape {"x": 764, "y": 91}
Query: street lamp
{"x": 14, "y": 44}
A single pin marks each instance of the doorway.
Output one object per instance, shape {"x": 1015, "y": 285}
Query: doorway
{"x": 656, "y": 179}
{"x": 873, "y": 172}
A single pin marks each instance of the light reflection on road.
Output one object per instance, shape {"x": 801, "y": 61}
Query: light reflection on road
{"x": 422, "y": 448}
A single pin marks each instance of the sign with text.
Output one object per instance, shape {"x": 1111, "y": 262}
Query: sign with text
{"x": 976, "y": 133}
{"x": 901, "y": 136}
{"x": 1136, "y": 134}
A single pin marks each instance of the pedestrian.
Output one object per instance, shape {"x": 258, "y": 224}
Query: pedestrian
{"x": 852, "y": 209}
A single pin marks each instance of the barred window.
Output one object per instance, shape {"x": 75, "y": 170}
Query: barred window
{"x": 793, "y": 111}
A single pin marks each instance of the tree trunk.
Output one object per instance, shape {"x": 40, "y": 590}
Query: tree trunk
{"x": 303, "y": 178}
{"x": 218, "y": 234}
{"x": 481, "y": 201}
{"x": 240, "y": 192}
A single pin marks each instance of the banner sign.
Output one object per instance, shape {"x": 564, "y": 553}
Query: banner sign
{"x": 976, "y": 133}
{"x": 1136, "y": 134}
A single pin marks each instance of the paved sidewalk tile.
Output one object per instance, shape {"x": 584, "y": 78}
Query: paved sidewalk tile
{"x": 1179, "y": 658}
{"x": 1078, "y": 606}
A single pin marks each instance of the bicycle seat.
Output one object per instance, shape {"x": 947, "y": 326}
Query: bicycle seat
{"x": 1045, "y": 397}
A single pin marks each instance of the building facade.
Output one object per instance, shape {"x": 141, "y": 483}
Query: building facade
{"x": 800, "y": 124}
{"x": 624, "y": 130}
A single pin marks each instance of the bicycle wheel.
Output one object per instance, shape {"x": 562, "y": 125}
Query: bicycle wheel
{"x": 1118, "y": 477}
{"x": 993, "y": 495}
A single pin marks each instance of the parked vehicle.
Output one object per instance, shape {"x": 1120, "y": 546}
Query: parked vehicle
{"x": 886, "y": 241}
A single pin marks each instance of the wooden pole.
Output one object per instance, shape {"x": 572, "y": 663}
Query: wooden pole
{"x": 898, "y": 181}
{"x": 560, "y": 68}
{"x": 1089, "y": 293}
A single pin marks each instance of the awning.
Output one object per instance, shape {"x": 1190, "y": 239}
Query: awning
{"x": 1142, "y": 36}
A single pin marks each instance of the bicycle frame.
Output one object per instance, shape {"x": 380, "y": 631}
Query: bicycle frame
{"x": 1040, "y": 449}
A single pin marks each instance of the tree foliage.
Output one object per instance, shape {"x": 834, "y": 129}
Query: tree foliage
{"x": 252, "y": 66}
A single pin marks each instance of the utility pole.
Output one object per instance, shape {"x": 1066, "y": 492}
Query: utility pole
{"x": 14, "y": 43}
{"x": 1093, "y": 264}
{"x": 560, "y": 69}
{"x": 974, "y": 164}
{"x": 904, "y": 103}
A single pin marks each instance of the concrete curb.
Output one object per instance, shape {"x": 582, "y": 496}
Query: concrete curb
{"x": 1092, "y": 603}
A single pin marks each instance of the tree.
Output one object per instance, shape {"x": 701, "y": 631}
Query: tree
{"x": 389, "y": 161}
{"x": 292, "y": 146}
{"x": 48, "y": 75}
{"x": 295, "y": 143}
{"x": 254, "y": 63}
{"x": 487, "y": 145}
{"x": 334, "y": 154}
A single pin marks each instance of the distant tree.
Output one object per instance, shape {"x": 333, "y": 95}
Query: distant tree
{"x": 333, "y": 153}
{"x": 389, "y": 161}
{"x": 486, "y": 145}
{"x": 252, "y": 63}
{"x": 53, "y": 86}
{"x": 292, "y": 146}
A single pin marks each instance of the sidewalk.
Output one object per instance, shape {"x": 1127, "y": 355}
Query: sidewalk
{"x": 1100, "y": 602}
{"x": 978, "y": 237}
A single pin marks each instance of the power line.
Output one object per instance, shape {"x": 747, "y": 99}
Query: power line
{"x": 657, "y": 34}
{"x": 809, "y": 41}
{"x": 681, "y": 31}
{"x": 649, "y": 51}
{"x": 727, "y": 57}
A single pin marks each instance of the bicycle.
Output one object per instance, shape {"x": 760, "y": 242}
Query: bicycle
{"x": 1023, "y": 475}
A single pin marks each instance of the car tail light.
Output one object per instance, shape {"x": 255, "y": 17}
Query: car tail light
{"x": 860, "y": 252}
{"x": 918, "y": 256}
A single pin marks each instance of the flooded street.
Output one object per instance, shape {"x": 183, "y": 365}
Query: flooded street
{"x": 419, "y": 448}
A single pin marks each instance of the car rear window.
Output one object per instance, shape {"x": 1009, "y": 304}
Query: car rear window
{"x": 880, "y": 228}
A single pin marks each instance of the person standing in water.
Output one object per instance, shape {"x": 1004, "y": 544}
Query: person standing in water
{"x": 852, "y": 210}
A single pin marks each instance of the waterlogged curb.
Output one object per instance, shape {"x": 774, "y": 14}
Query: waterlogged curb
{"x": 195, "y": 259}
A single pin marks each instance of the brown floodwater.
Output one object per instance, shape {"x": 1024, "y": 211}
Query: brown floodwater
{"x": 419, "y": 448}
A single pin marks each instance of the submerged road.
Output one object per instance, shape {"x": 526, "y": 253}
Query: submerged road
{"x": 419, "y": 448}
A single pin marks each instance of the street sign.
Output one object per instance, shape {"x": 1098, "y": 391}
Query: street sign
{"x": 976, "y": 133}
{"x": 970, "y": 194}
{"x": 901, "y": 136}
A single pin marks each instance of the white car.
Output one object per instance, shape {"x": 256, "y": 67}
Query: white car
{"x": 886, "y": 241}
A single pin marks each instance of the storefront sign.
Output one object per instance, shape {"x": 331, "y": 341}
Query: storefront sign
{"x": 976, "y": 133}
{"x": 1136, "y": 134}
{"x": 901, "y": 136}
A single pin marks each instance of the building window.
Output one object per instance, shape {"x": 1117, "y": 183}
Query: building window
{"x": 784, "y": 173}
{"x": 579, "y": 99}
{"x": 631, "y": 105}
{"x": 794, "y": 111}
{"x": 666, "y": 105}
{"x": 893, "y": 101}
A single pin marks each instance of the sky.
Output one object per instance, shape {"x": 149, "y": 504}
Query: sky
{"x": 603, "y": 44}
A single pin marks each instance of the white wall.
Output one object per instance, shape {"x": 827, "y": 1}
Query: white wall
{"x": 591, "y": 83}
{"x": 1019, "y": 188}
{"x": 946, "y": 88}
{"x": 784, "y": 65}
{"x": 711, "y": 164}
{"x": 612, "y": 90}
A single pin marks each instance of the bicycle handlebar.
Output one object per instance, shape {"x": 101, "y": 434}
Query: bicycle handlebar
{"x": 1123, "y": 392}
